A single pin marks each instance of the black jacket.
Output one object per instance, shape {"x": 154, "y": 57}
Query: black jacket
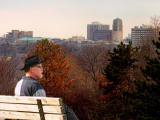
{"x": 28, "y": 86}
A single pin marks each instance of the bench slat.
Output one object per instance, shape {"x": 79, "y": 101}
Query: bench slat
{"x": 31, "y": 108}
{"x": 54, "y": 117}
{"x": 30, "y": 116}
{"x": 19, "y": 115}
{"x": 54, "y": 109}
{"x": 30, "y": 100}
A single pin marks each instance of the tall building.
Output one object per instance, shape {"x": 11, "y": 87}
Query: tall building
{"x": 117, "y": 30}
{"x": 141, "y": 35}
{"x": 91, "y": 28}
{"x": 104, "y": 35}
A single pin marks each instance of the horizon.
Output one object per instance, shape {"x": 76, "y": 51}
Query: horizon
{"x": 64, "y": 19}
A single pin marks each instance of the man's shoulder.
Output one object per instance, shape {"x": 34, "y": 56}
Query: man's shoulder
{"x": 27, "y": 82}
{"x": 31, "y": 82}
{"x": 28, "y": 87}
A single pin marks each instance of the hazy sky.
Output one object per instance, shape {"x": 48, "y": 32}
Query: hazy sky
{"x": 66, "y": 18}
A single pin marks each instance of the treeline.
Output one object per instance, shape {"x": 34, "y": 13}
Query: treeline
{"x": 97, "y": 83}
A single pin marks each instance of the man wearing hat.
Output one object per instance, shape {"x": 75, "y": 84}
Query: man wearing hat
{"x": 28, "y": 85}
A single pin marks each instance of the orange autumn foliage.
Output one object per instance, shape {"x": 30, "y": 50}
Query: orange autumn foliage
{"x": 56, "y": 68}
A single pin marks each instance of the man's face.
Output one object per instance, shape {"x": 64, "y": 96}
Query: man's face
{"x": 37, "y": 71}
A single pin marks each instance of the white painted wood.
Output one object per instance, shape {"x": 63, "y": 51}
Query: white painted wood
{"x": 31, "y": 100}
{"x": 20, "y": 115}
{"x": 54, "y": 109}
{"x": 30, "y": 116}
{"x": 54, "y": 117}
{"x": 31, "y": 108}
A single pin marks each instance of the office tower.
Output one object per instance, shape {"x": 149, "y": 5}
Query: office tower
{"x": 91, "y": 28}
{"x": 117, "y": 30}
{"x": 141, "y": 35}
{"x": 104, "y": 35}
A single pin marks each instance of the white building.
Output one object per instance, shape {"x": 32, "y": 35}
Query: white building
{"x": 141, "y": 35}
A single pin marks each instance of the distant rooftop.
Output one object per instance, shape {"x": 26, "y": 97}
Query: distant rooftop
{"x": 143, "y": 27}
{"x": 117, "y": 18}
{"x": 33, "y": 38}
{"x": 96, "y": 23}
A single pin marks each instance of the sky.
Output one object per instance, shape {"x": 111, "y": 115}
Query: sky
{"x": 67, "y": 18}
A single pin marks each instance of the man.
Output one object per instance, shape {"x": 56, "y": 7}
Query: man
{"x": 28, "y": 85}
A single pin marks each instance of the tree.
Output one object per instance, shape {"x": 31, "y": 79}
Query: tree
{"x": 92, "y": 60}
{"x": 121, "y": 61}
{"x": 84, "y": 93}
{"x": 119, "y": 77}
{"x": 9, "y": 75}
{"x": 155, "y": 22}
{"x": 56, "y": 68}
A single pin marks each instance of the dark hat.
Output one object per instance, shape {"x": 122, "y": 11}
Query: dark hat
{"x": 31, "y": 61}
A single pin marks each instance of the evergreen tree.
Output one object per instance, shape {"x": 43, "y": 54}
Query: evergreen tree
{"x": 121, "y": 60}
{"x": 117, "y": 73}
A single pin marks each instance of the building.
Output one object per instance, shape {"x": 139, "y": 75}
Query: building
{"x": 76, "y": 38}
{"x": 142, "y": 35}
{"x": 117, "y": 30}
{"x": 16, "y": 34}
{"x": 103, "y": 35}
{"x": 91, "y": 28}
{"x": 32, "y": 39}
{"x": 25, "y": 34}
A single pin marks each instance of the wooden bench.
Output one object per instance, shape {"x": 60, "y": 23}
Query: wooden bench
{"x": 32, "y": 108}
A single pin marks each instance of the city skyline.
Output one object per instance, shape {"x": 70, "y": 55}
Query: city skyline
{"x": 63, "y": 19}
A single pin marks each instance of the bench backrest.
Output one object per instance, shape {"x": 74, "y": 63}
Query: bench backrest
{"x": 32, "y": 108}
